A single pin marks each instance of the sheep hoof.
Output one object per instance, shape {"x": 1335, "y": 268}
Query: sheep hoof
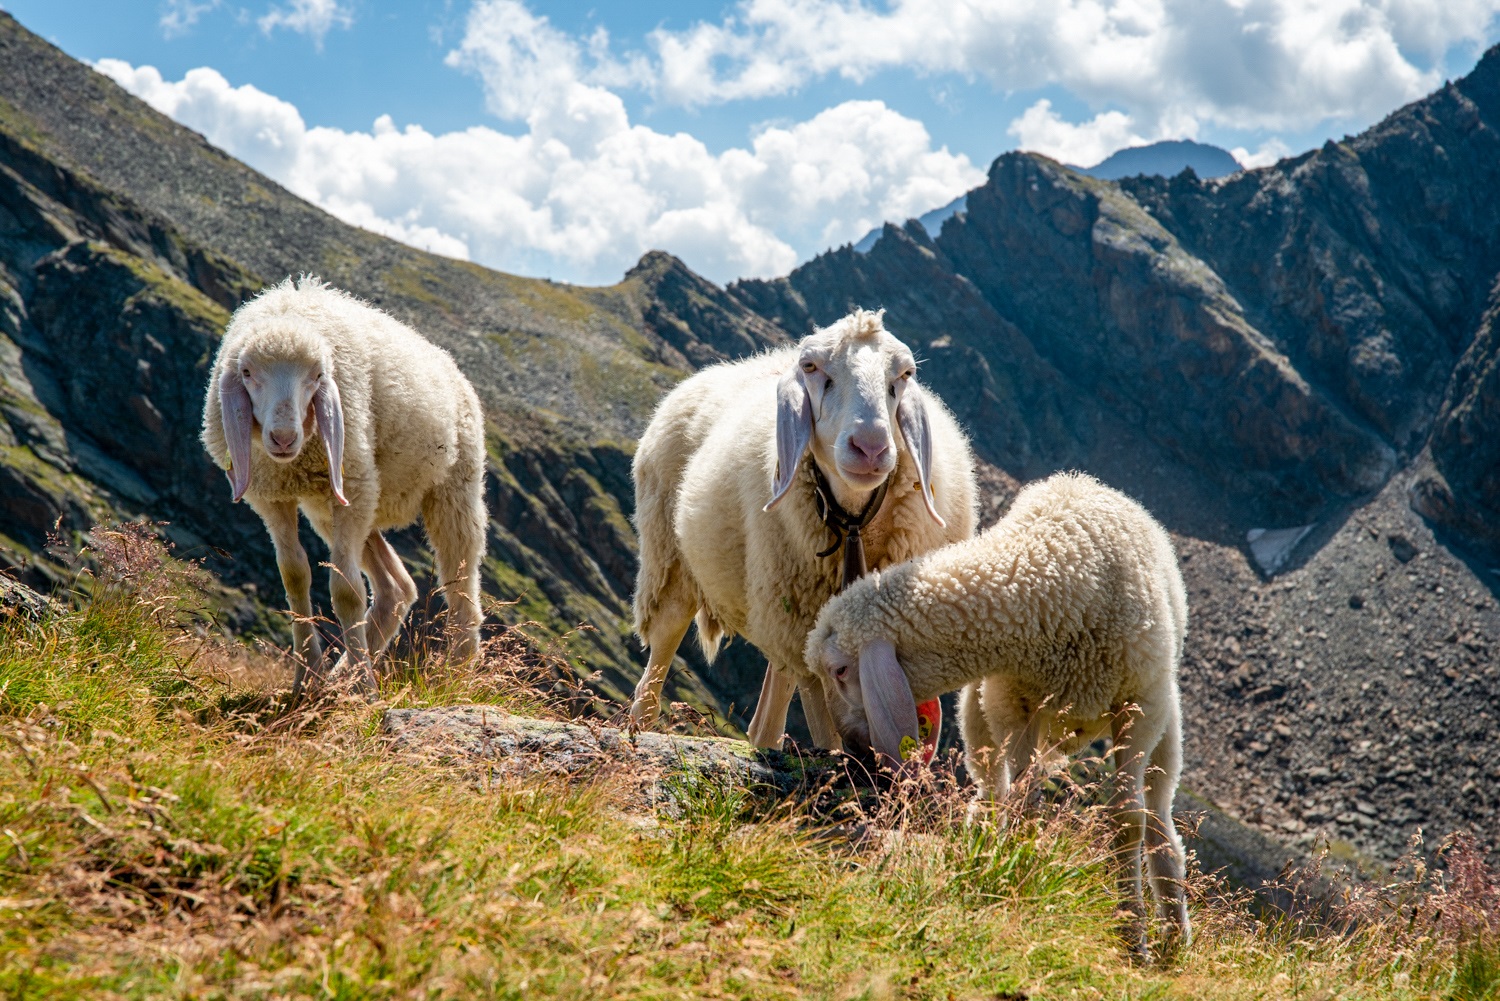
{"x": 644, "y": 713}
{"x": 1133, "y": 938}
{"x": 1175, "y": 940}
{"x": 308, "y": 681}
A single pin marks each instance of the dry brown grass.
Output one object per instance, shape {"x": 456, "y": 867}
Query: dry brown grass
{"x": 166, "y": 829}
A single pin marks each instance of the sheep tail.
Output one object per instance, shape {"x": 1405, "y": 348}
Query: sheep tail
{"x": 710, "y": 634}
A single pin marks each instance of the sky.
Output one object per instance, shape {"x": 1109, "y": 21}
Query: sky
{"x": 565, "y": 139}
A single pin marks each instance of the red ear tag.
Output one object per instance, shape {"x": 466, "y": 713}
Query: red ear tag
{"x": 929, "y": 727}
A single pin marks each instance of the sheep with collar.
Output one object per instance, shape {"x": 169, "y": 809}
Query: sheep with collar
{"x": 1062, "y": 623}
{"x": 729, "y": 477}
{"x": 320, "y": 402}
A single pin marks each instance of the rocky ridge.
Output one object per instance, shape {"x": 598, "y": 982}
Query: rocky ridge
{"x": 1309, "y": 348}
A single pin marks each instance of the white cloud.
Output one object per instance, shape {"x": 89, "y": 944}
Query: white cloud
{"x": 1169, "y": 67}
{"x": 314, "y": 18}
{"x": 179, "y": 16}
{"x": 1041, "y": 129}
{"x": 577, "y": 190}
{"x": 582, "y": 192}
{"x": 1269, "y": 152}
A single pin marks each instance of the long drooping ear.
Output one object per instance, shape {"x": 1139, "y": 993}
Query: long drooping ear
{"x": 889, "y": 706}
{"x": 328, "y": 411}
{"x": 911, "y": 415}
{"x": 794, "y": 429}
{"x": 238, "y": 415}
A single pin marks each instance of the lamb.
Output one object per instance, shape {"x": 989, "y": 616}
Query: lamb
{"x": 1064, "y": 620}
{"x": 727, "y": 480}
{"x": 399, "y": 431}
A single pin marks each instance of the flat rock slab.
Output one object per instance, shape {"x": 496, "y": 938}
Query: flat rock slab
{"x": 488, "y": 732}
{"x": 18, "y": 599}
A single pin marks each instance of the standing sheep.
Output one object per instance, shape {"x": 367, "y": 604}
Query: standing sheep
{"x": 1064, "y": 621}
{"x": 399, "y": 432}
{"x": 729, "y": 477}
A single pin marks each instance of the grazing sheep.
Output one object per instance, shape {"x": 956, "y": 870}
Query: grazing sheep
{"x": 738, "y": 435}
{"x": 1064, "y": 621}
{"x": 399, "y": 433}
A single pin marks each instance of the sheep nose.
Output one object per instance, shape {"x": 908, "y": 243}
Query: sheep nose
{"x": 869, "y": 446}
{"x": 284, "y": 440}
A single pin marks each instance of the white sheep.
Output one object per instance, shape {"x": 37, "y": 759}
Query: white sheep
{"x": 1062, "y": 623}
{"x": 399, "y": 431}
{"x": 737, "y": 435}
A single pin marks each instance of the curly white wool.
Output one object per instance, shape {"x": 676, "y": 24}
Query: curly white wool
{"x": 1055, "y": 622}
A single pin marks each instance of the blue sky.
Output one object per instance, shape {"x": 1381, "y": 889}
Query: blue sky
{"x": 564, "y": 138}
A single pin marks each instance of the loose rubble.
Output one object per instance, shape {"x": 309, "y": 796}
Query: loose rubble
{"x": 1352, "y": 699}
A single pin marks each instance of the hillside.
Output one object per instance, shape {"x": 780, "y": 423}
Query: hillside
{"x": 1307, "y": 346}
{"x": 126, "y": 239}
{"x": 165, "y": 833}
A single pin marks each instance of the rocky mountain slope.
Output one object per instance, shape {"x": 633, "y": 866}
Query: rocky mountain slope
{"x": 1308, "y": 349}
{"x": 125, "y": 240}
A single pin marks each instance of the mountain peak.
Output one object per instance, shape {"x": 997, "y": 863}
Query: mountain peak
{"x": 1167, "y": 158}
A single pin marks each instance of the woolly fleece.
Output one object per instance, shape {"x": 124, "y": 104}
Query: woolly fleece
{"x": 703, "y": 473}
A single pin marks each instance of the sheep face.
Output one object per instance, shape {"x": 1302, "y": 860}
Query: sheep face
{"x": 852, "y": 387}
{"x": 870, "y": 699}
{"x": 287, "y": 389}
{"x": 839, "y": 674}
{"x": 855, "y": 388}
{"x": 281, "y": 397}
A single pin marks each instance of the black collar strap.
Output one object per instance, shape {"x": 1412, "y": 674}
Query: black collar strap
{"x": 845, "y": 526}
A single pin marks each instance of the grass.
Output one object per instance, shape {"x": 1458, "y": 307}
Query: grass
{"x": 165, "y": 831}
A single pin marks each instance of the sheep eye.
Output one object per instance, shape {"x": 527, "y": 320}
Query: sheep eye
{"x": 840, "y": 671}
{"x": 809, "y": 367}
{"x": 245, "y": 374}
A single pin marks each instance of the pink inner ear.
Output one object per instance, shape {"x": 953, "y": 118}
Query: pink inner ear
{"x": 929, "y": 727}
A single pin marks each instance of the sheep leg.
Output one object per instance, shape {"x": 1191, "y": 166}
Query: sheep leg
{"x": 1128, "y": 810}
{"x": 663, "y": 633}
{"x": 769, "y": 721}
{"x": 985, "y": 763}
{"x": 456, "y": 527}
{"x": 394, "y": 592}
{"x": 280, "y": 518}
{"x": 1004, "y": 732}
{"x": 1021, "y": 751}
{"x": 819, "y": 720}
{"x": 1165, "y": 857}
{"x": 346, "y": 585}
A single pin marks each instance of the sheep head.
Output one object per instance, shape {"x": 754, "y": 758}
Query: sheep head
{"x": 871, "y": 701}
{"x": 852, "y": 387}
{"x": 283, "y": 382}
